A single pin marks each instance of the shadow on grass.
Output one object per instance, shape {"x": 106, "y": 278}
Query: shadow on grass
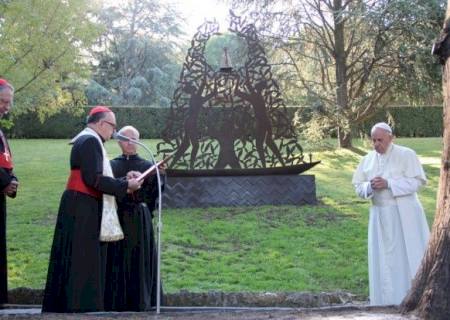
{"x": 357, "y": 151}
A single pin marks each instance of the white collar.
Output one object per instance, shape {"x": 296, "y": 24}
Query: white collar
{"x": 86, "y": 131}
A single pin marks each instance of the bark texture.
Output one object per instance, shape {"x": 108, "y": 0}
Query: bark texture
{"x": 429, "y": 295}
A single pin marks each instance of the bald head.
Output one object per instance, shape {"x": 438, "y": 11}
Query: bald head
{"x": 129, "y": 148}
{"x": 130, "y": 130}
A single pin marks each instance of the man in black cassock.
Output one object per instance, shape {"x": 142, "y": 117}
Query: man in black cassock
{"x": 8, "y": 186}
{"x": 76, "y": 272}
{"x": 132, "y": 262}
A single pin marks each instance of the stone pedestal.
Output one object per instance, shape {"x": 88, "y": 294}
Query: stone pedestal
{"x": 225, "y": 191}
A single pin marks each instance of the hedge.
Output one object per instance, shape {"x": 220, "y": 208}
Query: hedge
{"x": 409, "y": 121}
{"x": 63, "y": 125}
{"x": 150, "y": 121}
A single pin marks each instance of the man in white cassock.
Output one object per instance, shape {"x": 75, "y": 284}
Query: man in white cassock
{"x": 390, "y": 177}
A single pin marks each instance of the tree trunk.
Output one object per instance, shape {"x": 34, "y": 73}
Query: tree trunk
{"x": 429, "y": 296}
{"x": 345, "y": 140}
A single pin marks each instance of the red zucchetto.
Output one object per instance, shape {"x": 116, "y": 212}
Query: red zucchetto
{"x": 98, "y": 109}
{"x": 3, "y": 82}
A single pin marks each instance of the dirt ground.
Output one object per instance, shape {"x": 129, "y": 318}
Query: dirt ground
{"x": 223, "y": 314}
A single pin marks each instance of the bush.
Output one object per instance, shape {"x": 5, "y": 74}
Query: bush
{"x": 151, "y": 121}
{"x": 409, "y": 121}
{"x": 64, "y": 125}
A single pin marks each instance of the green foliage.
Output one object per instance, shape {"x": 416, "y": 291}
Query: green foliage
{"x": 151, "y": 121}
{"x": 415, "y": 24}
{"x": 137, "y": 63}
{"x": 345, "y": 61}
{"x": 310, "y": 127}
{"x": 408, "y": 122}
{"x": 68, "y": 122}
{"x": 96, "y": 94}
{"x": 41, "y": 55}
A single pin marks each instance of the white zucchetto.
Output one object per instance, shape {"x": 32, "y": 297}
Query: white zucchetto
{"x": 381, "y": 125}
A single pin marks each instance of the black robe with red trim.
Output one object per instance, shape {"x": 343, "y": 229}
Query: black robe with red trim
{"x": 132, "y": 262}
{"x": 76, "y": 272}
{"x": 6, "y": 176}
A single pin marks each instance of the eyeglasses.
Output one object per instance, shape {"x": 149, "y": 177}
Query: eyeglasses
{"x": 113, "y": 125}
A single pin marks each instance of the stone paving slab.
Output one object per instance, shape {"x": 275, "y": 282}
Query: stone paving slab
{"x": 348, "y": 313}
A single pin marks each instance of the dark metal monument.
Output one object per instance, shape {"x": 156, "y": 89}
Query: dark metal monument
{"x": 229, "y": 132}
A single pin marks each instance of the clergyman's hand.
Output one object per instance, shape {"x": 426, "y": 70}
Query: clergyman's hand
{"x": 133, "y": 185}
{"x": 378, "y": 183}
{"x": 133, "y": 174}
{"x": 11, "y": 188}
{"x": 162, "y": 168}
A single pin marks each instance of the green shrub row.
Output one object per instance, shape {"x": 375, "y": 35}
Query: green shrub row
{"x": 409, "y": 121}
{"x": 150, "y": 121}
{"x": 63, "y": 125}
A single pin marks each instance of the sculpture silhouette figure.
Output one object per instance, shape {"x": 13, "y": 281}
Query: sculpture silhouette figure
{"x": 197, "y": 85}
{"x": 254, "y": 88}
{"x": 192, "y": 136}
{"x": 263, "y": 124}
{"x": 248, "y": 125}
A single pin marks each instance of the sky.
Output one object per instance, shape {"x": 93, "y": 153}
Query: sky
{"x": 197, "y": 11}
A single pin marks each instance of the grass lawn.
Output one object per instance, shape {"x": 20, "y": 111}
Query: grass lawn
{"x": 283, "y": 248}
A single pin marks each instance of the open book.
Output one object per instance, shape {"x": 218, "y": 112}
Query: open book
{"x": 153, "y": 168}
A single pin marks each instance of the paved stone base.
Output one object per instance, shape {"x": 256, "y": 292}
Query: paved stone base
{"x": 258, "y": 299}
{"x": 218, "y": 191}
{"x": 27, "y": 296}
{"x": 345, "y": 313}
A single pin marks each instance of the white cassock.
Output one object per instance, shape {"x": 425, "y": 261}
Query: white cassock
{"x": 398, "y": 230}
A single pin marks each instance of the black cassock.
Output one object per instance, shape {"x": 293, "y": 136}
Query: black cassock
{"x": 76, "y": 272}
{"x": 132, "y": 262}
{"x": 6, "y": 176}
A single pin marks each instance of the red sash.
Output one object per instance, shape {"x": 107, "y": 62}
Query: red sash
{"x": 76, "y": 183}
{"x": 6, "y": 161}
{"x": 5, "y": 156}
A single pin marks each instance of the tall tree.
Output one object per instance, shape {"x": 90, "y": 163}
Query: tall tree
{"x": 42, "y": 50}
{"x": 348, "y": 58}
{"x": 429, "y": 294}
{"x": 137, "y": 57}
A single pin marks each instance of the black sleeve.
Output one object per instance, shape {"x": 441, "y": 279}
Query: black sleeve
{"x": 13, "y": 178}
{"x": 150, "y": 189}
{"x": 5, "y": 178}
{"x": 91, "y": 166}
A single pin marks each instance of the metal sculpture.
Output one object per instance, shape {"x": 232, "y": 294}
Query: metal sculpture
{"x": 229, "y": 118}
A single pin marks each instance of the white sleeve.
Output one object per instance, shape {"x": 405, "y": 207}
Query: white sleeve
{"x": 361, "y": 183}
{"x": 364, "y": 190}
{"x": 404, "y": 186}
